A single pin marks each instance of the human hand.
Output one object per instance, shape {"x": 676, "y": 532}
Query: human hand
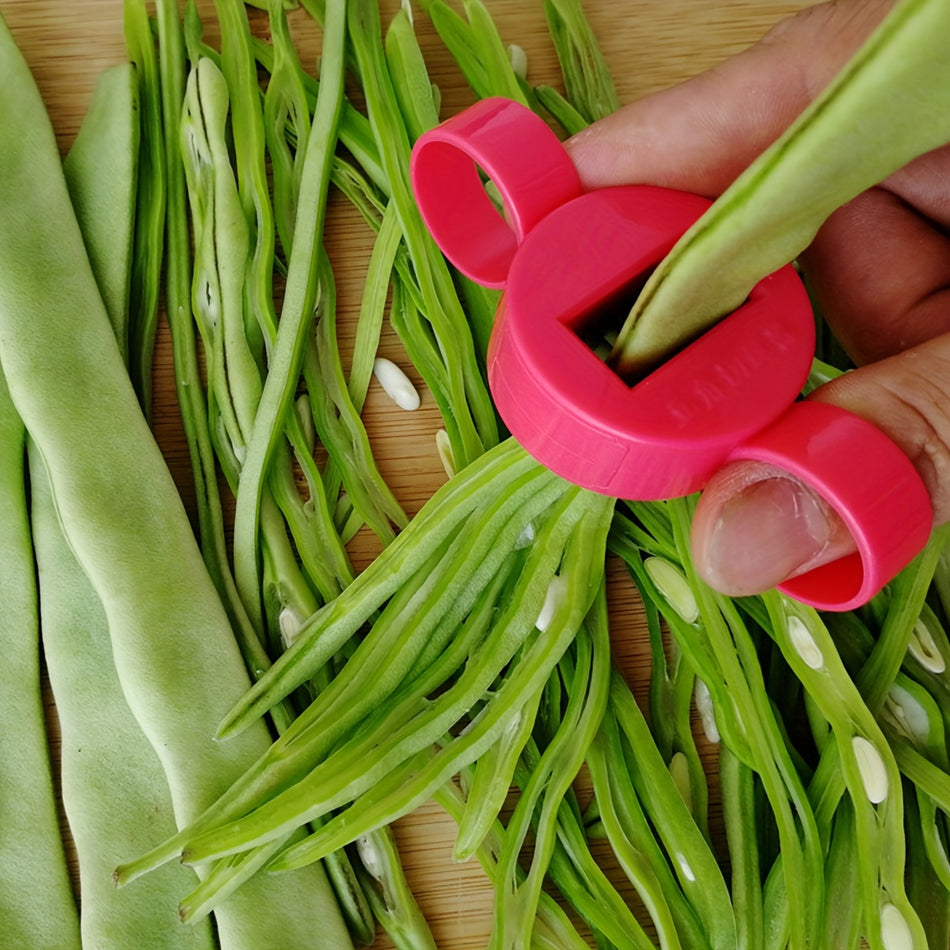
{"x": 879, "y": 269}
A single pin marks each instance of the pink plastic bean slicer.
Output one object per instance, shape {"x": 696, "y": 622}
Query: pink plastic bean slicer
{"x": 568, "y": 261}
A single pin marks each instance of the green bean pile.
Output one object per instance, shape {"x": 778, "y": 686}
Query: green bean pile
{"x": 259, "y": 711}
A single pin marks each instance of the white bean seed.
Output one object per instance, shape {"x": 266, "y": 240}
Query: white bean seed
{"x": 895, "y": 931}
{"x": 924, "y": 650}
{"x": 396, "y": 384}
{"x": 444, "y": 447}
{"x": 519, "y": 60}
{"x": 872, "y": 768}
{"x": 907, "y": 713}
{"x": 687, "y": 871}
{"x": 707, "y": 713}
{"x": 673, "y": 586}
{"x": 552, "y": 600}
{"x": 804, "y": 643}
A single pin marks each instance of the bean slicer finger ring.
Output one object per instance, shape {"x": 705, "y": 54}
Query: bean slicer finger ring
{"x": 568, "y": 261}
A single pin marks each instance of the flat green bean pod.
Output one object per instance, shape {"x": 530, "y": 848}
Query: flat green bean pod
{"x": 114, "y": 790}
{"x": 36, "y": 906}
{"x": 110, "y": 776}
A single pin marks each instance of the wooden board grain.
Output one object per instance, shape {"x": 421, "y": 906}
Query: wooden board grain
{"x": 649, "y": 45}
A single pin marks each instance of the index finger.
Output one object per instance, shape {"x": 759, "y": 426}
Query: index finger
{"x": 698, "y": 136}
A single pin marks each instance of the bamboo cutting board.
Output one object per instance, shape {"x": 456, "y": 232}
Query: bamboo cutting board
{"x": 649, "y": 45}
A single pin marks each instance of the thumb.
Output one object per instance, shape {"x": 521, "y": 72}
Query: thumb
{"x": 757, "y": 526}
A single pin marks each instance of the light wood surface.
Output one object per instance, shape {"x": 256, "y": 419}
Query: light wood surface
{"x": 649, "y": 45}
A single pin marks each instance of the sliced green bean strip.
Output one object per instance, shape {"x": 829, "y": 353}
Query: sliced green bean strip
{"x": 928, "y": 777}
{"x": 926, "y": 888}
{"x": 627, "y": 542}
{"x": 889, "y": 104}
{"x": 797, "y": 828}
{"x": 931, "y": 837}
{"x": 871, "y": 776}
{"x": 287, "y": 597}
{"x": 503, "y": 80}
{"x": 411, "y": 81}
{"x": 738, "y": 804}
{"x": 373, "y": 306}
{"x": 423, "y": 349}
{"x": 588, "y": 690}
{"x": 551, "y": 924}
{"x": 928, "y": 654}
{"x": 193, "y": 30}
{"x": 633, "y": 824}
{"x": 907, "y": 594}
{"x": 146, "y": 265}
{"x": 389, "y": 893}
{"x": 672, "y": 687}
{"x": 481, "y": 305}
{"x": 227, "y": 875}
{"x": 592, "y": 894}
{"x": 476, "y": 47}
{"x": 456, "y": 34}
{"x": 239, "y": 68}
{"x": 942, "y": 579}
{"x": 649, "y": 529}
{"x": 692, "y": 857}
{"x": 339, "y": 423}
{"x": 322, "y": 558}
{"x": 223, "y": 880}
{"x": 285, "y": 107}
{"x": 587, "y": 80}
{"x": 634, "y": 864}
{"x": 222, "y": 245}
{"x": 842, "y": 924}
{"x": 353, "y": 893}
{"x": 355, "y": 133}
{"x": 491, "y": 780}
{"x": 569, "y": 118}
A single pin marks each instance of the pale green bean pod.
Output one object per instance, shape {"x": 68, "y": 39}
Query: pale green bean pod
{"x": 37, "y": 908}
